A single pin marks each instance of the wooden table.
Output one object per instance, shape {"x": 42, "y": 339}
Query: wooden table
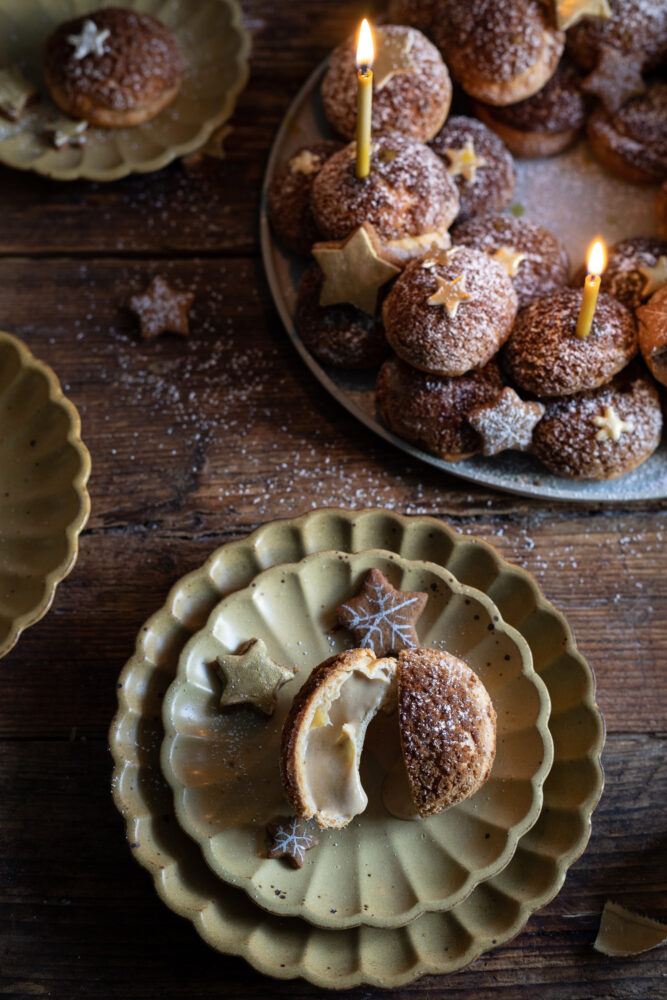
{"x": 195, "y": 443}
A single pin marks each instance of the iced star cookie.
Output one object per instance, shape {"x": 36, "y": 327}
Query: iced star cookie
{"x": 380, "y": 617}
{"x": 289, "y": 838}
{"x": 113, "y": 67}
{"x": 412, "y": 90}
{"x": 479, "y": 163}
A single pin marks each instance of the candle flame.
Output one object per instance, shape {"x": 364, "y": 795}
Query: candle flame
{"x": 365, "y": 50}
{"x": 597, "y": 258}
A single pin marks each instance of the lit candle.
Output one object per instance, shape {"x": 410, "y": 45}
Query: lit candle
{"x": 365, "y": 55}
{"x": 595, "y": 266}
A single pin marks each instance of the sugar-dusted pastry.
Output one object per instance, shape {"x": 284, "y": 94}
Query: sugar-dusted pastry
{"x": 251, "y": 677}
{"x": 632, "y": 26}
{"x": 342, "y": 334}
{"x": 632, "y": 142}
{"x": 289, "y": 196}
{"x": 544, "y": 355}
{"x": 635, "y": 269}
{"x": 500, "y": 51}
{"x": 652, "y": 327}
{"x": 447, "y": 724}
{"x": 381, "y": 617}
{"x": 162, "y": 309}
{"x": 420, "y": 14}
{"x": 113, "y": 67}
{"x": 431, "y": 411}
{"x": 408, "y": 196}
{"x": 480, "y": 164}
{"x": 661, "y": 210}
{"x": 602, "y": 433}
{"x": 412, "y": 90}
{"x": 531, "y": 255}
{"x": 544, "y": 124}
{"x": 323, "y": 735}
{"x": 450, "y": 312}
{"x": 16, "y": 93}
{"x": 506, "y": 423}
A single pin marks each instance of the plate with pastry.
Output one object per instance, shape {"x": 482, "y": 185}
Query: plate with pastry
{"x": 413, "y": 285}
{"x": 379, "y": 704}
{"x": 435, "y": 943}
{"x": 89, "y": 90}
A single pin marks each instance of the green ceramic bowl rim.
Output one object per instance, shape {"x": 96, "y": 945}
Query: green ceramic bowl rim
{"x": 205, "y": 132}
{"x": 201, "y": 913}
{"x": 73, "y": 530}
{"x": 514, "y": 833}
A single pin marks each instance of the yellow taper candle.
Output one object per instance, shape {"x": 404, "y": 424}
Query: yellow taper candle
{"x": 595, "y": 266}
{"x": 365, "y": 56}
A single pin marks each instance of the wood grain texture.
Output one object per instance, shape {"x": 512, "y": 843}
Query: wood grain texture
{"x": 195, "y": 443}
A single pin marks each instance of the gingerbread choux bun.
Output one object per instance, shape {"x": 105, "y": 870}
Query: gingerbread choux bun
{"x": 450, "y": 312}
{"x": 661, "y": 210}
{"x": 113, "y": 67}
{"x": 530, "y": 254}
{"x": 412, "y": 90}
{"x": 602, "y": 433}
{"x": 323, "y": 735}
{"x": 479, "y": 163}
{"x": 632, "y": 142}
{"x": 430, "y": 411}
{"x": 634, "y": 26}
{"x": 544, "y": 124}
{"x": 500, "y": 51}
{"x": 652, "y": 327}
{"x": 408, "y": 196}
{"x": 289, "y": 196}
{"x": 545, "y": 356}
{"x": 632, "y": 268}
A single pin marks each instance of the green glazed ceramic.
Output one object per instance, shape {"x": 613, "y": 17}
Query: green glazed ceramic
{"x": 215, "y": 46}
{"x": 44, "y": 504}
{"x": 379, "y": 870}
{"x": 434, "y": 943}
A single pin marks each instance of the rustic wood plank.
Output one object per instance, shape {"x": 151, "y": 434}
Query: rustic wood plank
{"x": 71, "y": 894}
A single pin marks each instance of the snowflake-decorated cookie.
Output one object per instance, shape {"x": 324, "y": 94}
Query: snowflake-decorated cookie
{"x": 289, "y": 839}
{"x": 382, "y": 618}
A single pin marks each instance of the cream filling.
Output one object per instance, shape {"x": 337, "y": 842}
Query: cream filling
{"x": 335, "y": 740}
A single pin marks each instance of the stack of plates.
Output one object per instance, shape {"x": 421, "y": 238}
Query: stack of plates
{"x": 384, "y": 900}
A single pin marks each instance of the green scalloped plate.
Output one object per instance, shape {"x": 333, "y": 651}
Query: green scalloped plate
{"x": 434, "y": 943}
{"x": 215, "y": 45}
{"x": 44, "y": 503}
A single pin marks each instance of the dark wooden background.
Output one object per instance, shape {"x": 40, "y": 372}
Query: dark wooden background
{"x": 195, "y": 443}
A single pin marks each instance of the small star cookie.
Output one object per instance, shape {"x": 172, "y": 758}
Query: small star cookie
{"x": 568, "y": 12}
{"x": 251, "y": 677}
{"x": 162, "y": 309}
{"x": 353, "y": 270}
{"x": 382, "y": 618}
{"x": 509, "y": 259}
{"x": 654, "y": 277}
{"x": 507, "y": 422}
{"x": 67, "y": 132}
{"x": 465, "y": 162}
{"x": 392, "y": 56}
{"x": 90, "y": 40}
{"x": 449, "y": 294}
{"x": 616, "y": 79}
{"x": 288, "y": 839}
{"x": 611, "y": 425}
{"x": 16, "y": 93}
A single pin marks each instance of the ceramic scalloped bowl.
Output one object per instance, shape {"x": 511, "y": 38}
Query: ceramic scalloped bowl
{"x": 435, "y": 943}
{"x": 44, "y": 504}
{"x": 382, "y": 871}
{"x": 215, "y": 46}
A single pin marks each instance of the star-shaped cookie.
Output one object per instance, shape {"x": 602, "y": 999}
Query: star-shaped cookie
{"x": 67, "y": 132}
{"x": 464, "y": 161}
{"x": 616, "y": 79}
{"x": 449, "y": 293}
{"x": 654, "y": 277}
{"x": 568, "y": 12}
{"x": 89, "y": 41}
{"x": 611, "y": 425}
{"x": 162, "y": 309}
{"x": 509, "y": 259}
{"x": 16, "y": 93}
{"x": 382, "y": 618}
{"x": 289, "y": 839}
{"x": 392, "y": 56}
{"x": 353, "y": 270}
{"x": 507, "y": 422}
{"x": 251, "y": 677}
